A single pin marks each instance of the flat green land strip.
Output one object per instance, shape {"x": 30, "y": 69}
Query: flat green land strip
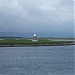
{"x": 10, "y": 41}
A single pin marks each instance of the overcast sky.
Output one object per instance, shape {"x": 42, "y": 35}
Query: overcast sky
{"x": 52, "y": 17}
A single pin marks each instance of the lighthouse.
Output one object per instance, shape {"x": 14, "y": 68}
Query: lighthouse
{"x": 34, "y": 38}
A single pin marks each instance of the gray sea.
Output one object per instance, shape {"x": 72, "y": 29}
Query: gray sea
{"x": 44, "y": 60}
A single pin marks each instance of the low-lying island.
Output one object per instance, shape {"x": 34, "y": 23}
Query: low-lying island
{"x": 22, "y": 42}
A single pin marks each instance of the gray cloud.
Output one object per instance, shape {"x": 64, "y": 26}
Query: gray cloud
{"x": 37, "y": 15}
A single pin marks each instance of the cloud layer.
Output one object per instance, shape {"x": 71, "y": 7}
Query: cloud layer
{"x": 37, "y": 16}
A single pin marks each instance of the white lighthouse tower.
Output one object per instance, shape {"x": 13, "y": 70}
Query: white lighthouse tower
{"x": 34, "y": 38}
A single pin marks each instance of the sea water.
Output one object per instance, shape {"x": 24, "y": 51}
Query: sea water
{"x": 44, "y": 60}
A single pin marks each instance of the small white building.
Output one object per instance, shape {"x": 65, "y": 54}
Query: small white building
{"x": 34, "y": 38}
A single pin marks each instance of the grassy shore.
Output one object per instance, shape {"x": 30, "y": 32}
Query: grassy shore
{"x": 12, "y": 42}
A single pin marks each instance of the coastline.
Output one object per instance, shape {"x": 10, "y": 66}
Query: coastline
{"x": 36, "y": 45}
{"x": 12, "y": 42}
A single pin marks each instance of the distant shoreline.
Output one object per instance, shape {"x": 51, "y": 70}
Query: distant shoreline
{"x": 35, "y": 45}
{"x": 15, "y": 42}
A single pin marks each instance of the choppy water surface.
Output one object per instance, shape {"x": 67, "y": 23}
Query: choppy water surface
{"x": 53, "y": 60}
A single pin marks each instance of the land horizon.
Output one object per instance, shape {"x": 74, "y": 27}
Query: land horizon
{"x": 26, "y": 42}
